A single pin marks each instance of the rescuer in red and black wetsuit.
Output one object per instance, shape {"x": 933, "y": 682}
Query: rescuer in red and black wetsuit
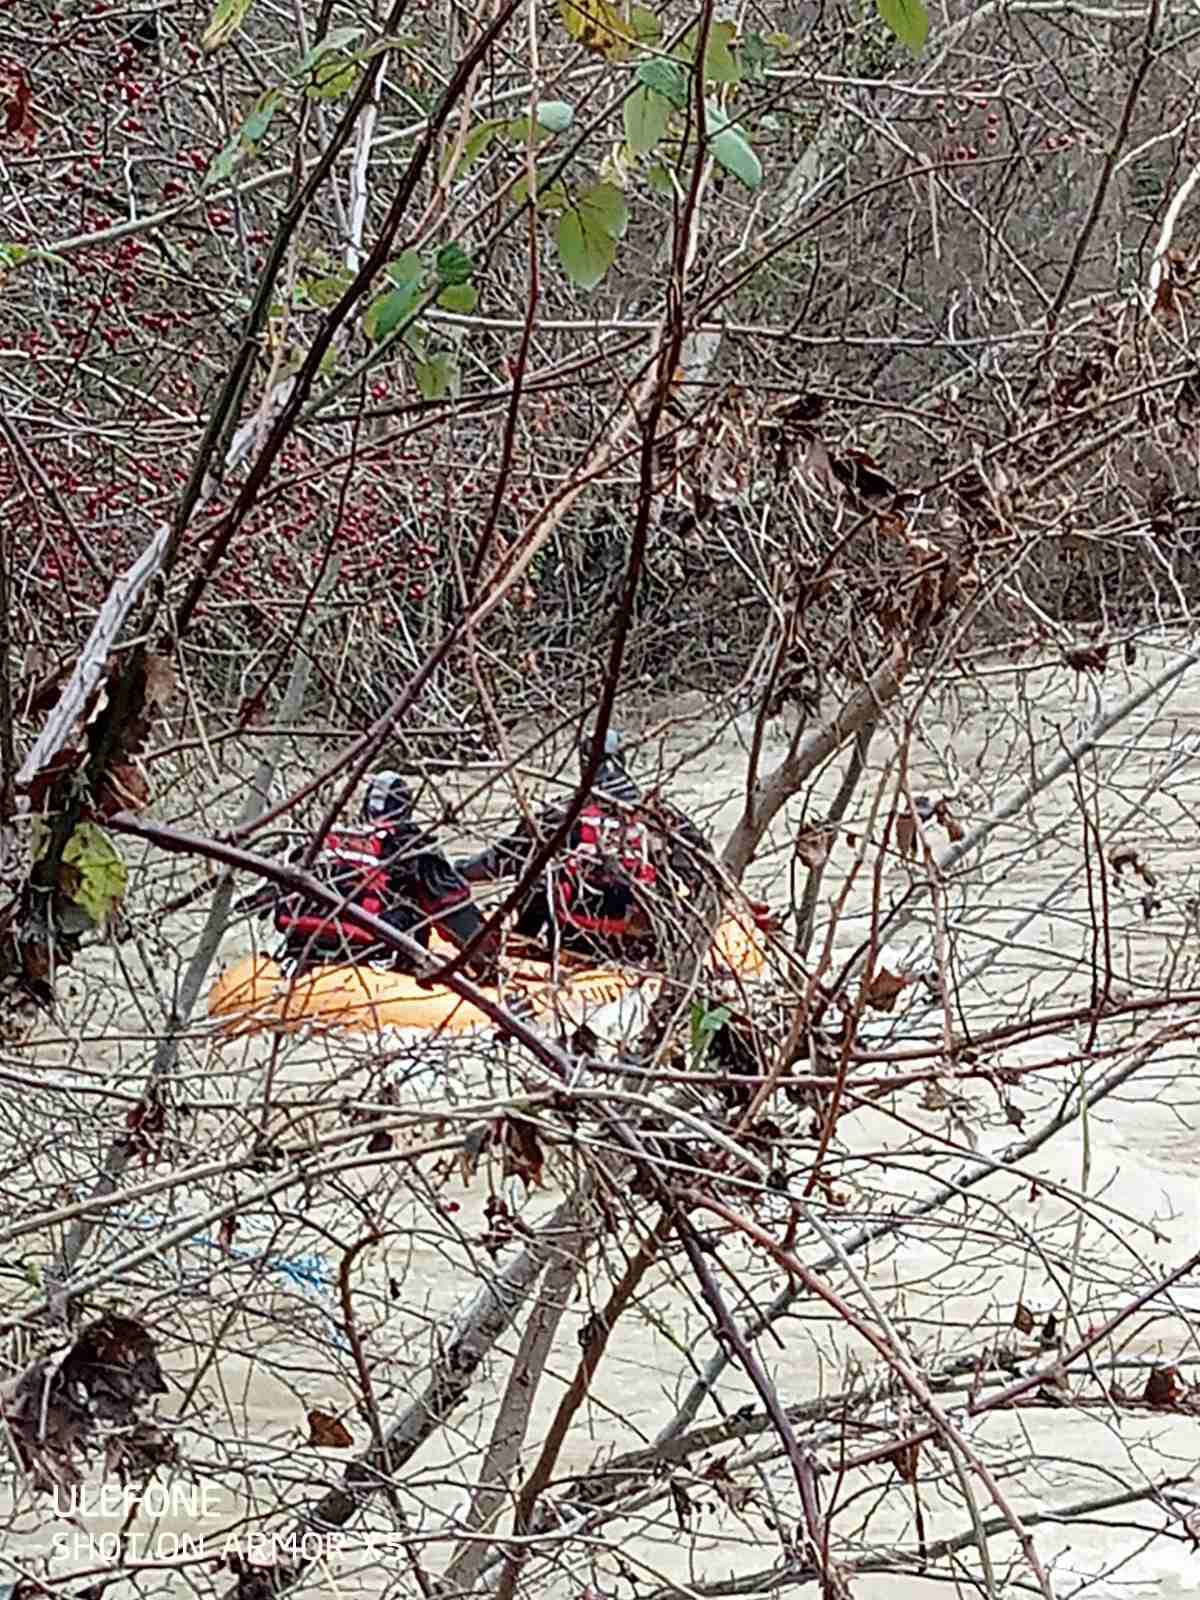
{"x": 391, "y": 868}
{"x": 595, "y": 898}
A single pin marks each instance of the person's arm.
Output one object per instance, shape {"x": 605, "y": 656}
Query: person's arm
{"x": 448, "y": 904}
{"x": 262, "y": 900}
{"x": 507, "y": 857}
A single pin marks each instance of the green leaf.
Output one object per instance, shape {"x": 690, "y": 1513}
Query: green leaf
{"x": 335, "y": 39}
{"x": 705, "y": 1024}
{"x": 326, "y": 291}
{"x": 259, "y": 120}
{"x": 730, "y": 148}
{"x": 246, "y": 138}
{"x": 719, "y": 64}
{"x": 223, "y": 163}
{"x": 335, "y": 76}
{"x": 454, "y": 265}
{"x": 908, "y": 20}
{"x": 551, "y": 198}
{"x": 647, "y": 114}
{"x": 406, "y": 269}
{"x": 659, "y": 180}
{"x": 462, "y": 297}
{"x": 606, "y": 203}
{"x": 644, "y": 25}
{"x": 100, "y": 876}
{"x": 667, "y": 78}
{"x": 435, "y": 377}
{"x": 588, "y": 232}
{"x": 586, "y": 253}
{"x": 386, "y": 314}
{"x": 556, "y": 115}
{"x": 474, "y": 145}
{"x": 225, "y": 21}
{"x": 735, "y": 155}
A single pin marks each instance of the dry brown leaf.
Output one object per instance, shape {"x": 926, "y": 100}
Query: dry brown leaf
{"x": 123, "y": 788}
{"x": 934, "y": 1097}
{"x": 1088, "y": 658}
{"x": 1164, "y": 1387}
{"x": 161, "y": 680}
{"x": 326, "y": 1432}
{"x": 1023, "y": 1321}
{"x": 884, "y": 987}
{"x": 737, "y": 1496}
{"x": 906, "y": 833}
{"x": 1126, "y": 855}
{"x": 904, "y": 1458}
{"x": 949, "y": 821}
{"x": 683, "y": 1505}
{"x": 522, "y": 1152}
{"x": 812, "y": 847}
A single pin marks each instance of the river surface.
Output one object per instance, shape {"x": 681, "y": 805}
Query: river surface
{"x": 1034, "y": 923}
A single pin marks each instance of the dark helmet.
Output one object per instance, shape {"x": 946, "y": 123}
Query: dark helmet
{"x": 388, "y": 798}
{"x": 611, "y": 779}
{"x": 612, "y": 747}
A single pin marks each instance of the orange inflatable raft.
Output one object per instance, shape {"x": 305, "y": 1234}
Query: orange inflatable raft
{"x": 253, "y": 996}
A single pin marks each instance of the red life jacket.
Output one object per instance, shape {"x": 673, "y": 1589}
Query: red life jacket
{"x": 353, "y": 865}
{"x": 610, "y": 853}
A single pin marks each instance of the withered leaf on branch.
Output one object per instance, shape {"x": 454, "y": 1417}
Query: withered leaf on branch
{"x": 523, "y": 1156}
{"x": 682, "y": 1503}
{"x": 1088, "y": 658}
{"x": 856, "y": 471}
{"x": 1126, "y": 855}
{"x": 161, "y": 680}
{"x": 326, "y": 1432}
{"x": 813, "y": 846}
{"x": 475, "y": 1142}
{"x": 905, "y": 1458}
{"x": 1164, "y": 1387}
{"x": 737, "y": 1496}
{"x": 906, "y": 834}
{"x": 1023, "y": 1320}
{"x": 146, "y": 1123}
{"x": 949, "y": 821}
{"x": 139, "y": 1452}
{"x": 40, "y": 785}
{"x": 123, "y": 788}
{"x": 885, "y": 986}
{"x": 52, "y": 1410}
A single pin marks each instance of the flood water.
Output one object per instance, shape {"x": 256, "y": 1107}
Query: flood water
{"x": 1034, "y": 926}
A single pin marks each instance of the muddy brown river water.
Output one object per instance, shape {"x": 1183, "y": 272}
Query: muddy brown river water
{"x": 252, "y": 1325}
